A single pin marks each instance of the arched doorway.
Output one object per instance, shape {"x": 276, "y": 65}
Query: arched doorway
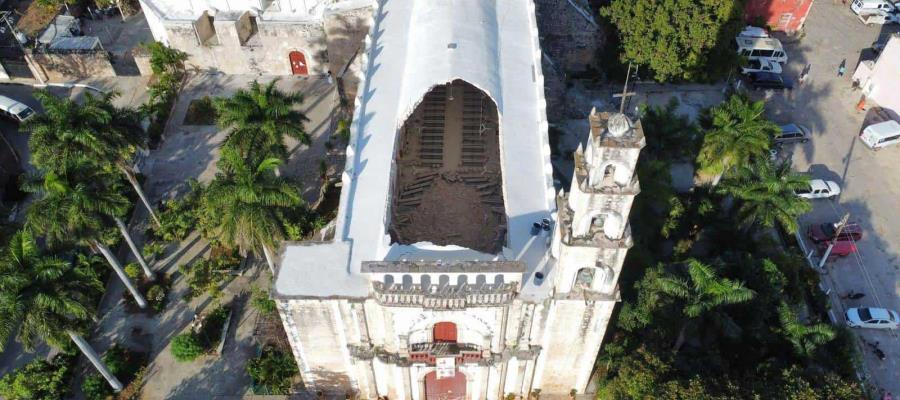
{"x": 444, "y": 332}
{"x": 298, "y": 63}
{"x": 450, "y": 388}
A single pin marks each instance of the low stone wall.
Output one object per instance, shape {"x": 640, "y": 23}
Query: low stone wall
{"x": 142, "y": 60}
{"x": 63, "y": 67}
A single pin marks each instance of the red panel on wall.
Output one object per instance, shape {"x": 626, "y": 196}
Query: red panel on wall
{"x": 445, "y": 332}
{"x": 445, "y": 389}
{"x": 298, "y": 63}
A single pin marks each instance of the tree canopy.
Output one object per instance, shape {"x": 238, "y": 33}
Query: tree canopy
{"x": 766, "y": 195}
{"x": 673, "y": 38}
{"x": 260, "y": 118}
{"x": 43, "y": 296}
{"x": 739, "y": 135}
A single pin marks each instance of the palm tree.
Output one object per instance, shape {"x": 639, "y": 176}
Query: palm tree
{"x": 77, "y": 211}
{"x": 260, "y": 118}
{"x": 740, "y": 133}
{"x": 767, "y": 195}
{"x": 241, "y": 207}
{"x": 45, "y": 297}
{"x": 805, "y": 338}
{"x": 95, "y": 131}
{"x": 702, "y": 292}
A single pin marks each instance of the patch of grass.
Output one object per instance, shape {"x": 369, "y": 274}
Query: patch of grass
{"x": 36, "y": 18}
{"x": 200, "y": 112}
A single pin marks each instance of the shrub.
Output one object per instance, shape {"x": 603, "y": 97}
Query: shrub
{"x": 38, "y": 379}
{"x": 343, "y": 129}
{"x": 153, "y": 249}
{"x": 156, "y": 295}
{"x": 177, "y": 221}
{"x": 134, "y": 271}
{"x": 95, "y": 387}
{"x": 263, "y": 303}
{"x": 272, "y": 372}
{"x": 208, "y": 275}
{"x": 186, "y": 347}
{"x": 211, "y": 332}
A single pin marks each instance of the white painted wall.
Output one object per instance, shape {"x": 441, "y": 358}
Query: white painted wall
{"x": 883, "y": 85}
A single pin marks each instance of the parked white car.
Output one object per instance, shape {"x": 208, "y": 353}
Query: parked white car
{"x": 761, "y": 65}
{"x": 873, "y": 318}
{"x": 820, "y": 189}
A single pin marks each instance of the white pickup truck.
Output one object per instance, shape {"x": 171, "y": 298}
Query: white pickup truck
{"x": 879, "y": 12}
{"x": 761, "y": 65}
{"x": 819, "y": 189}
{"x": 880, "y": 18}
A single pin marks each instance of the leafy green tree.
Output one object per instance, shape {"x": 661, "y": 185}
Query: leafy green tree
{"x": 805, "y": 338}
{"x": 262, "y": 302}
{"x": 79, "y": 210}
{"x": 272, "y": 371}
{"x": 636, "y": 377}
{"x": 45, "y": 297}
{"x": 164, "y": 59}
{"x": 740, "y": 134}
{"x": 673, "y": 38}
{"x": 39, "y": 379}
{"x": 767, "y": 194}
{"x": 260, "y": 118}
{"x": 702, "y": 292}
{"x": 96, "y": 132}
{"x": 241, "y": 207}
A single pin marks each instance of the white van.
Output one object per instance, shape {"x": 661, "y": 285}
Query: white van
{"x": 14, "y": 110}
{"x": 865, "y": 7}
{"x": 880, "y": 135}
{"x": 761, "y": 48}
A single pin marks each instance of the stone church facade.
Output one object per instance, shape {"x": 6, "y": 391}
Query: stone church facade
{"x": 455, "y": 270}
{"x": 264, "y": 37}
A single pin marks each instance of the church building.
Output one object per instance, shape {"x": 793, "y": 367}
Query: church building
{"x": 455, "y": 270}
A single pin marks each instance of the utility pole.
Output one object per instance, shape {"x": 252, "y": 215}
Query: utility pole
{"x": 625, "y": 93}
{"x": 837, "y": 233}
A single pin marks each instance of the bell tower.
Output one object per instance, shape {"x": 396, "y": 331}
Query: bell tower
{"x": 593, "y": 234}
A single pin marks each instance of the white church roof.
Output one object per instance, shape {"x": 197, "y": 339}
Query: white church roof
{"x": 414, "y": 46}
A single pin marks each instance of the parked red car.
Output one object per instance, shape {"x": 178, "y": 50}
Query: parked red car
{"x": 819, "y": 233}
{"x": 842, "y": 248}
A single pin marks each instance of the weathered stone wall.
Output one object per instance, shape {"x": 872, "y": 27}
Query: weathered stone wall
{"x": 570, "y": 34}
{"x": 142, "y": 60}
{"x": 266, "y": 52}
{"x": 574, "y": 331}
{"x": 63, "y": 67}
{"x": 228, "y": 44}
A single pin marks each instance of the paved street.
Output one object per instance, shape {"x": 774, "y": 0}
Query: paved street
{"x": 870, "y": 184}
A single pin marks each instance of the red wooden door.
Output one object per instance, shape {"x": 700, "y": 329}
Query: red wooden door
{"x": 298, "y": 63}
{"x": 445, "y": 389}
{"x": 444, "y": 332}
